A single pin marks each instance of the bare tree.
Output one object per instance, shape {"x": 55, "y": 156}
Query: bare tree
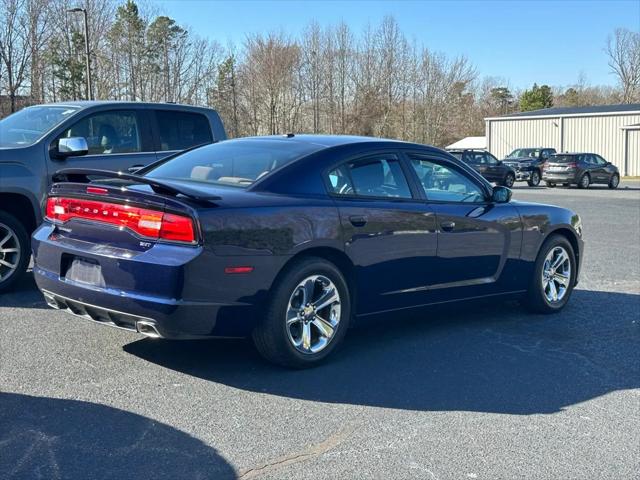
{"x": 15, "y": 51}
{"x": 623, "y": 50}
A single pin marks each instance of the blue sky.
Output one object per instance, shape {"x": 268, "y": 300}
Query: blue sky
{"x": 544, "y": 41}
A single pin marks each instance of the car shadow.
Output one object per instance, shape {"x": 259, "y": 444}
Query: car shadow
{"x": 54, "y": 438}
{"x": 24, "y": 294}
{"x": 487, "y": 358}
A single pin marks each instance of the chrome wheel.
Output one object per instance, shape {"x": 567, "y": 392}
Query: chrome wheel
{"x": 9, "y": 252}
{"x": 556, "y": 274}
{"x": 313, "y": 314}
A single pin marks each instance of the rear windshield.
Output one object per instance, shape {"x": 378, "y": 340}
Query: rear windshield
{"x": 562, "y": 158}
{"x": 236, "y": 163}
{"x": 525, "y": 152}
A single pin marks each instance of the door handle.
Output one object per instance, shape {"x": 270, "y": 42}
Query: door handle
{"x": 358, "y": 221}
{"x": 448, "y": 226}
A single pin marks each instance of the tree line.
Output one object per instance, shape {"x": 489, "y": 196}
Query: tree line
{"x": 328, "y": 79}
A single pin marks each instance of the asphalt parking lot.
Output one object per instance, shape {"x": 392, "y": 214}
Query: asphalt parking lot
{"x": 486, "y": 392}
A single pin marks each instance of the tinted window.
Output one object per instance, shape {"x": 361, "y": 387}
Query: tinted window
{"x": 599, "y": 160}
{"x": 379, "y": 176}
{"x": 234, "y": 162}
{"x": 29, "y": 124}
{"x": 182, "y": 130}
{"x": 563, "y": 158}
{"x": 108, "y": 132}
{"x": 444, "y": 183}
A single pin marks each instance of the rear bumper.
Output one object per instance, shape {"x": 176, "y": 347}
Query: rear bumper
{"x": 175, "y": 291}
{"x": 559, "y": 177}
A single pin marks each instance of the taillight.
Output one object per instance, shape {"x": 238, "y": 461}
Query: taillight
{"x": 147, "y": 223}
{"x": 572, "y": 165}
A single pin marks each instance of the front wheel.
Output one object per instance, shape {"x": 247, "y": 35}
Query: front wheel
{"x": 554, "y": 276}
{"x": 509, "y": 180}
{"x": 614, "y": 181}
{"x": 308, "y": 315}
{"x": 15, "y": 250}
{"x": 534, "y": 181}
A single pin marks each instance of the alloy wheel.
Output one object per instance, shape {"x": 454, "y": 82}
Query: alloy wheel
{"x": 9, "y": 252}
{"x": 556, "y": 274}
{"x": 313, "y": 314}
{"x": 535, "y": 179}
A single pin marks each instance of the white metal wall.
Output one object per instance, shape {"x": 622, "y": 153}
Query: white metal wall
{"x": 504, "y": 136}
{"x": 598, "y": 134}
{"x": 633, "y": 152}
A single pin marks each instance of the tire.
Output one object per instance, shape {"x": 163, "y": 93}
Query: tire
{"x": 275, "y": 338}
{"x": 13, "y": 236}
{"x": 534, "y": 181}
{"x": 509, "y": 180}
{"x": 551, "y": 184}
{"x": 536, "y": 299}
{"x": 585, "y": 181}
{"x": 566, "y": 185}
{"x": 614, "y": 181}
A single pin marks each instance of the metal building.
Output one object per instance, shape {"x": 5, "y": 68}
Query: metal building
{"x": 612, "y": 131}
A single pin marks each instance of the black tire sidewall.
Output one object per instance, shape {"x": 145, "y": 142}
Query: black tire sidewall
{"x": 509, "y": 180}
{"x": 273, "y": 327}
{"x": 581, "y": 181}
{"x": 611, "y": 184}
{"x": 25, "y": 249}
{"x": 536, "y": 298}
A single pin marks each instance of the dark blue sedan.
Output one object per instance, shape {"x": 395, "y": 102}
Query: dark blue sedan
{"x": 291, "y": 239}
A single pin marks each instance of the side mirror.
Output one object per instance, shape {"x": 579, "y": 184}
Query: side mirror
{"x": 72, "y": 147}
{"x": 501, "y": 194}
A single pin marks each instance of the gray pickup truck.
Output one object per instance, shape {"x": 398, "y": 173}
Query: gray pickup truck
{"x": 38, "y": 141}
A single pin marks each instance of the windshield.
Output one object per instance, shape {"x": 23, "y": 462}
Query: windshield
{"x": 458, "y": 155}
{"x": 27, "y": 126}
{"x": 237, "y": 163}
{"x": 524, "y": 153}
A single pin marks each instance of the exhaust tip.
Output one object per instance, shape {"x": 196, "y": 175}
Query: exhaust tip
{"x": 147, "y": 329}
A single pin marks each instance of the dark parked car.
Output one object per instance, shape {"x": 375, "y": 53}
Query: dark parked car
{"x": 37, "y": 141}
{"x": 289, "y": 239}
{"x": 527, "y": 163}
{"x": 487, "y": 165}
{"x": 580, "y": 169}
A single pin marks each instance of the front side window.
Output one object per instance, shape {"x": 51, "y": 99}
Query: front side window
{"x": 182, "y": 130}
{"x": 443, "y": 183}
{"x": 378, "y": 176}
{"x": 108, "y": 132}
{"x": 27, "y": 126}
{"x": 599, "y": 160}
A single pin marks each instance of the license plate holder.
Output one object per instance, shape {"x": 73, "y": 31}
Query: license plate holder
{"x": 88, "y": 272}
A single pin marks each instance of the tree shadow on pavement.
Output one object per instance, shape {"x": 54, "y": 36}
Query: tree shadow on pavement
{"x": 491, "y": 358}
{"x": 52, "y": 438}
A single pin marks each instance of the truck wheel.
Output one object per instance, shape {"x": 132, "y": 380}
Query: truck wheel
{"x": 15, "y": 250}
{"x": 534, "y": 181}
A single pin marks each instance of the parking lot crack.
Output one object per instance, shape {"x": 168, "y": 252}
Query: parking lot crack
{"x": 290, "y": 459}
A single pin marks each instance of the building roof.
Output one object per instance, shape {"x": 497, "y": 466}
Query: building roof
{"x": 568, "y": 111}
{"x": 469, "y": 142}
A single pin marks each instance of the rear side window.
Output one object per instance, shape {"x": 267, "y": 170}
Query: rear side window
{"x": 108, "y": 132}
{"x": 563, "y": 159}
{"x": 379, "y": 176}
{"x": 182, "y": 130}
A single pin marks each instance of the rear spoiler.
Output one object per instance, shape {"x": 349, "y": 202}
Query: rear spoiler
{"x": 81, "y": 175}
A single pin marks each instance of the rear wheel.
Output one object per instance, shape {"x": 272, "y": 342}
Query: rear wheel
{"x": 509, "y": 180}
{"x": 584, "y": 181}
{"x": 15, "y": 250}
{"x": 308, "y": 315}
{"x": 534, "y": 181}
{"x": 614, "y": 181}
{"x": 554, "y": 276}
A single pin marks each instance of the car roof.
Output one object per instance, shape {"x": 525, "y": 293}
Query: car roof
{"x": 83, "y": 104}
{"x": 325, "y": 140}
